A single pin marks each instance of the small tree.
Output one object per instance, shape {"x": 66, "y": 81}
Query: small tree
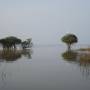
{"x": 27, "y": 43}
{"x": 69, "y": 39}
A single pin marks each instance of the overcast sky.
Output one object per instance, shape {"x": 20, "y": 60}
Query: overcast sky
{"x": 45, "y": 21}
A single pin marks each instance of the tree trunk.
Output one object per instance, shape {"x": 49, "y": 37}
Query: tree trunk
{"x": 69, "y": 47}
{"x": 14, "y": 46}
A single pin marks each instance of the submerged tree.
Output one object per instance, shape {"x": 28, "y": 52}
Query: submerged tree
{"x": 70, "y": 39}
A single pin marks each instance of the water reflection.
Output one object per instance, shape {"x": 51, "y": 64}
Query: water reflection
{"x": 79, "y": 58}
{"x": 69, "y": 56}
{"x": 27, "y": 53}
{"x": 13, "y": 55}
{"x": 10, "y": 56}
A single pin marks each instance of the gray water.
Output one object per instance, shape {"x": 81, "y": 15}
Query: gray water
{"x": 43, "y": 68}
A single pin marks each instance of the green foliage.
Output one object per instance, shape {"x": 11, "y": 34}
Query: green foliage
{"x": 10, "y": 42}
{"x": 27, "y": 43}
{"x": 13, "y": 40}
{"x": 69, "y": 39}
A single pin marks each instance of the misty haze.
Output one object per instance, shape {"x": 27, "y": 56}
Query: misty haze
{"x": 44, "y": 45}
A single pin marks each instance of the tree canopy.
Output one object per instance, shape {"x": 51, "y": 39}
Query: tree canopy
{"x": 9, "y": 42}
{"x": 27, "y": 43}
{"x": 69, "y": 39}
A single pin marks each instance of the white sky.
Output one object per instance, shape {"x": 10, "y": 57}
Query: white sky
{"x": 45, "y": 21}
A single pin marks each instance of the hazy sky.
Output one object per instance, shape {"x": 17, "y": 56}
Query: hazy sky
{"x": 46, "y": 21}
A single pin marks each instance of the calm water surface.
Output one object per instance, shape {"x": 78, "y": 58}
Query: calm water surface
{"x": 42, "y": 68}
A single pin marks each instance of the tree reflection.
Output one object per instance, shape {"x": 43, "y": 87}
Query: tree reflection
{"x": 82, "y": 59}
{"x": 69, "y": 56}
{"x": 27, "y": 53}
{"x": 13, "y": 54}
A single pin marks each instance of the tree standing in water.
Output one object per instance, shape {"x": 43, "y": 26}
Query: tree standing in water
{"x": 69, "y": 39}
{"x": 10, "y": 42}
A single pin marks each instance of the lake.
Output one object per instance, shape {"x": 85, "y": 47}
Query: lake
{"x": 42, "y": 68}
